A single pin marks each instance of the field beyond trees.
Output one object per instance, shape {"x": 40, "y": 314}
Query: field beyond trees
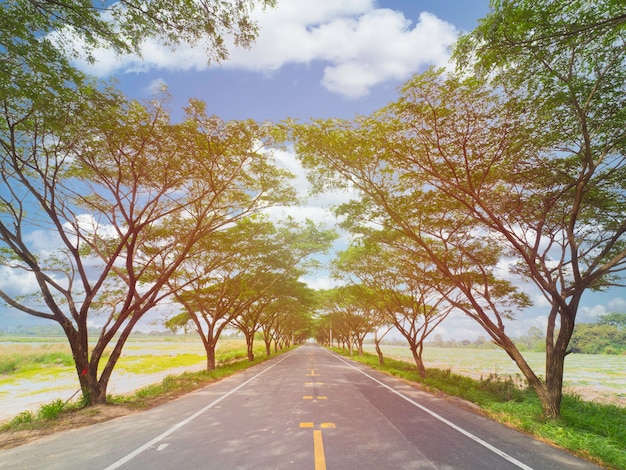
{"x": 39, "y": 370}
{"x": 594, "y": 377}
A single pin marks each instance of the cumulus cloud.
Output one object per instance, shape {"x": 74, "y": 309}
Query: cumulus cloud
{"x": 360, "y": 45}
{"x": 618, "y": 304}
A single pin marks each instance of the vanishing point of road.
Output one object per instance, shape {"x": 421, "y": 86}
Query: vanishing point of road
{"x": 306, "y": 409}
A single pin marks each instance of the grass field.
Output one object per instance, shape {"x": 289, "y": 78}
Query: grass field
{"x": 34, "y": 371}
{"x": 594, "y": 377}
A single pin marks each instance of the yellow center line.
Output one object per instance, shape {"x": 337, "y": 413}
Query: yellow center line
{"x": 318, "y": 450}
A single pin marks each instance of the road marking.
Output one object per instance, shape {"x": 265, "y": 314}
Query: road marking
{"x": 313, "y": 383}
{"x": 312, "y": 374}
{"x": 475, "y": 438}
{"x": 318, "y": 443}
{"x": 318, "y": 450}
{"x": 310, "y": 397}
{"x": 176, "y": 427}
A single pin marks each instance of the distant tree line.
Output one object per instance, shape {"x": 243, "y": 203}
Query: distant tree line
{"x": 606, "y": 336}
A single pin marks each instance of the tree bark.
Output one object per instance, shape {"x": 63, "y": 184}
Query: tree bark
{"x": 210, "y": 357}
{"x": 381, "y": 359}
{"x": 417, "y": 357}
{"x": 249, "y": 346}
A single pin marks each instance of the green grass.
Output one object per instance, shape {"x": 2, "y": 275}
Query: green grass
{"x": 150, "y": 364}
{"x": 593, "y": 431}
{"x": 23, "y": 358}
{"x": 182, "y": 383}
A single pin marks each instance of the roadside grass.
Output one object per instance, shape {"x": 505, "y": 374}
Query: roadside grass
{"x": 150, "y": 364}
{"x": 596, "y": 432}
{"x": 175, "y": 385}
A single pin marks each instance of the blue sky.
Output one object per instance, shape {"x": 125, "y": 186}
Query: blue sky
{"x": 313, "y": 58}
{"x": 320, "y": 59}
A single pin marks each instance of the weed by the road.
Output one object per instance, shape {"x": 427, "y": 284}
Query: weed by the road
{"x": 592, "y": 430}
{"x": 51, "y": 410}
{"x": 46, "y": 413}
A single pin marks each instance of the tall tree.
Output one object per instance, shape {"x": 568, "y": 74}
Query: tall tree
{"x": 566, "y": 64}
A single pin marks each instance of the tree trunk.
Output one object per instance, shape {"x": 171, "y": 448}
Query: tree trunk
{"x": 210, "y": 356}
{"x": 556, "y": 351}
{"x": 381, "y": 359}
{"x": 550, "y": 399}
{"x": 93, "y": 391}
{"x": 417, "y": 357}
{"x": 360, "y": 345}
{"x": 250, "y": 345}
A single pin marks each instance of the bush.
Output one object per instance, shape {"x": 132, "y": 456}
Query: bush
{"x": 51, "y": 410}
{"x": 25, "y": 417}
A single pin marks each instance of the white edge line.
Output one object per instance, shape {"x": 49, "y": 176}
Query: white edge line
{"x": 177, "y": 426}
{"x": 485, "y": 444}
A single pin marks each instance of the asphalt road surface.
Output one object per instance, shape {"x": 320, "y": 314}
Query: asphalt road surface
{"x": 307, "y": 409}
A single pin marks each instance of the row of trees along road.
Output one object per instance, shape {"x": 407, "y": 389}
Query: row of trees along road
{"x": 108, "y": 208}
{"x": 515, "y": 160}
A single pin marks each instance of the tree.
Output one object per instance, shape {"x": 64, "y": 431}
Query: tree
{"x": 38, "y": 38}
{"x": 618, "y": 320}
{"x": 122, "y": 198}
{"x": 400, "y": 287}
{"x": 435, "y": 166}
{"x": 282, "y": 299}
{"x": 606, "y": 336}
{"x": 282, "y": 256}
{"x": 350, "y": 313}
{"x": 566, "y": 65}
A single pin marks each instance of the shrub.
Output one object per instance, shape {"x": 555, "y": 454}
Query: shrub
{"x": 51, "y": 410}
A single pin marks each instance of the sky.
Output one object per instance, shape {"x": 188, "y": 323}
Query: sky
{"x": 321, "y": 59}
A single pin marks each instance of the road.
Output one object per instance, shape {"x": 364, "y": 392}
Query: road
{"x": 307, "y": 409}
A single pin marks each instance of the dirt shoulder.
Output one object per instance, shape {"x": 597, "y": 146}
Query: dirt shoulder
{"x": 80, "y": 418}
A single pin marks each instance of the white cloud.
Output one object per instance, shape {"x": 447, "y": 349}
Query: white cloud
{"x": 618, "y": 304}
{"x": 362, "y": 46}
{"x": 591, "y": 313}
{"x": 16, "y": 282}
